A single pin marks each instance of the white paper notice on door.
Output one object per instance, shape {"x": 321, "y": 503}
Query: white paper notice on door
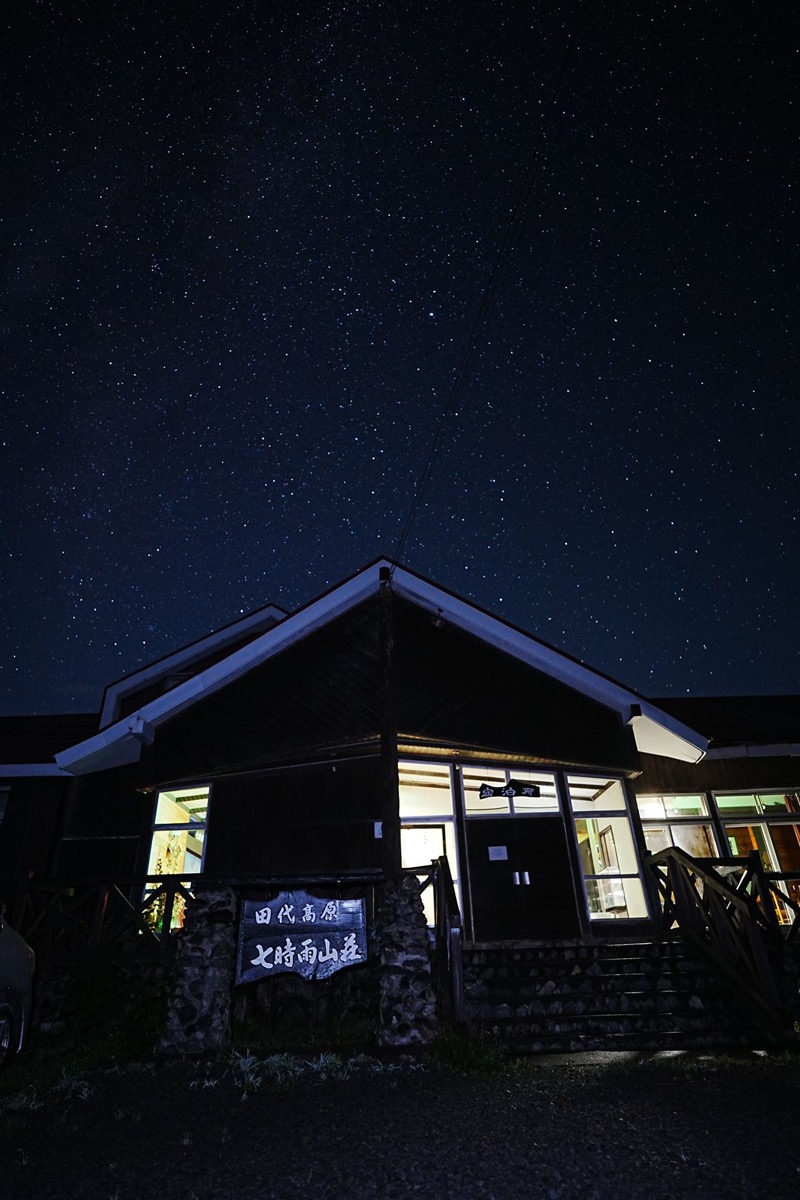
{"x": 498, "y": 854}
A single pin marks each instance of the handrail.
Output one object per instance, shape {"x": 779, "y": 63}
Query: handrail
{"x": 747, "y": 893}
{"x": 748, "y": 876}
{"x": 448, "y": 931}
{"x": 732, "y": 924}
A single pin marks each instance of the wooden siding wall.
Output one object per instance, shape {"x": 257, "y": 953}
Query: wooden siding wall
{"x": 322, "y": 692}
{"x": 453, "y": 687}
{"x": 449, "y": 687}
{"x": 664, "y": 775}
{"x": 107, "y": 827}
{"x": 29, "y": 832}
{"x": 319, "y": 819}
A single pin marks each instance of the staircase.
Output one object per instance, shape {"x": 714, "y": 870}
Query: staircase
{"x": 557, "y": 997}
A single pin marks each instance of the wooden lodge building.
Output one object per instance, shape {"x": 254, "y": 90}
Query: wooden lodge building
{"x": 389, "y": 725}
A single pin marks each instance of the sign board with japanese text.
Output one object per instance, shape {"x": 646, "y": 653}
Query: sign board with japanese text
{"x": 302, "y": 934}
{"x": 513, "y": 788}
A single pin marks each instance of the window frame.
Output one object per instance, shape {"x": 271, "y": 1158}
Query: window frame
{"x": 709, "y": 819}
{"x": 178, "y": 827}
{"x": 604, "y": 818}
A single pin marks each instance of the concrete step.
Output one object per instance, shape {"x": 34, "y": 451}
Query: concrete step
{"x": 501, "y": 1005}
{"x": 552, "y": 997}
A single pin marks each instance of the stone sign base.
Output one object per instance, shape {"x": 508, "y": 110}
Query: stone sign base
{"x": 389, "y": 1000}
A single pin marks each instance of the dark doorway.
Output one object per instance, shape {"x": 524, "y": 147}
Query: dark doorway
{"x": 520, "y": 878}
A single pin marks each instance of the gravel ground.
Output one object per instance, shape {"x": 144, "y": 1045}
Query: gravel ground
{"x": 592, "y": 1129}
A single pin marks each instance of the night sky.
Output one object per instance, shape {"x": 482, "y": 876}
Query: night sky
{"x": 245, "y": 248}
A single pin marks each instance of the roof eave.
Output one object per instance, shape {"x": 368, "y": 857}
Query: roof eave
{"x": 121, "y": 742}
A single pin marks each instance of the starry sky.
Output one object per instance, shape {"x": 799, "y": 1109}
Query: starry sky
{"x": 256, "y": 255}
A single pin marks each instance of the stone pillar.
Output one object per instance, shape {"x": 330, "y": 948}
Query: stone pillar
{"x": 199, "y": 1005}
{"x": 407, "y": 996}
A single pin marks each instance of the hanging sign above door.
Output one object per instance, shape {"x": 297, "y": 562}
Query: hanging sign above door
{"x": 514, "y": 787}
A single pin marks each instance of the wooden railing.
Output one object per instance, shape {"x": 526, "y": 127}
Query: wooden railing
{"x": 65, "y": 918}
{"x": 68, "y": 918}
{"x": 725, "y": 909}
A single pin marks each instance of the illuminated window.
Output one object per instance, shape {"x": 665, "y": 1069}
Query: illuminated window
{"x": 764, "y": 823}
{"x": 658, "y": 807}
{"x": 697, "y": 840}
{"x": 424, "y": 790}
{"x": 593, "y": 793}
{"x": 774, "y": 839}
{"x": 607, "y": 852}
{"x": 177, "y": 846}
{"x": 672, "y": 821}
{"x": 767, "y": 804}
{"x": 179, "y": 832}
{"x": 475, "y": 778}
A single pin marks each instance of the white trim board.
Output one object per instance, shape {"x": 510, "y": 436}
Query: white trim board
{"x": 655, "y": 731}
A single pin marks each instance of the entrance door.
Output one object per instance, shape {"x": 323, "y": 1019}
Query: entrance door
{"x": 520, "y": 878}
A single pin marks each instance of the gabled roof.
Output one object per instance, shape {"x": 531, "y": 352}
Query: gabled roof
{"x": 655, "y": 731}
{"x": 187, "y": 661}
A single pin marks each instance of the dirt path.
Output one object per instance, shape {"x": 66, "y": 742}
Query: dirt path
{"x": 698, "y": 1127}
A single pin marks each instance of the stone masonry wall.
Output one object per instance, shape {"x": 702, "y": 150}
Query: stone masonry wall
{"x": 407, "y": 998}
{"x": 199, "y": 1007}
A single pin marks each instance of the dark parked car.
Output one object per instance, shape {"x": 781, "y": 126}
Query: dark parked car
{"x": 16, "y": 989}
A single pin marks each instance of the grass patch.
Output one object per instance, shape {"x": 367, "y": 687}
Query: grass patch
{"x": 250, "y": 1073}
